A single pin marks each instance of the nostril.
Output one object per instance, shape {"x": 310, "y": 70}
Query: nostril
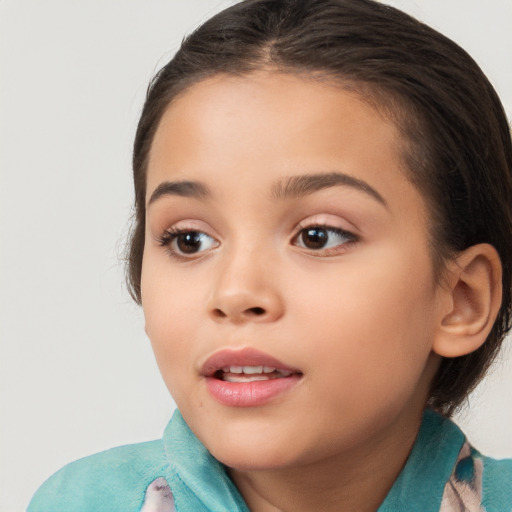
{"x": 256, "y": 311}
{"x": 238, "y": 314}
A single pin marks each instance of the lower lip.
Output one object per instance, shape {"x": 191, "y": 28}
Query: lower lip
{"x": 249, "y": 394}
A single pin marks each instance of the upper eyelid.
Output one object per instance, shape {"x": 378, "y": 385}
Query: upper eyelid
{"x": 190, "y": 225}
{"x": 327, "y": 221}
{"x": 337, "y": 230}
{"x": 175, "y": 232}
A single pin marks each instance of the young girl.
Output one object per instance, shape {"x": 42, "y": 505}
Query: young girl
{"x": 323, "y": 195}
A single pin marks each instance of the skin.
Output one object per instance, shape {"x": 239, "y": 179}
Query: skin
{"x": 359, "y": 319}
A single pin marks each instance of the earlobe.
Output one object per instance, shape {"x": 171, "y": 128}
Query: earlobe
{"x": 475, "y": 288}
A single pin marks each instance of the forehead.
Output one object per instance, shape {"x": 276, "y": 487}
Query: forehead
{"x": 268, "y": 125}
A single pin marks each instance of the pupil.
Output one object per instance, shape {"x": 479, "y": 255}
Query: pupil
{"x": 314, "y": 238}
{"x": 189, "y": 242}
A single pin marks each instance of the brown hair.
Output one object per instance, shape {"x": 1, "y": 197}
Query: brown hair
{"x": 458, "y": 150}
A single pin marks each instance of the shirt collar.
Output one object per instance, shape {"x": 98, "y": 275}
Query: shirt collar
{"x": 199, "y": 482}
{"x": 428, "y": 467}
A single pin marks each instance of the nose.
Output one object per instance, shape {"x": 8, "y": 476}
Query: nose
{"x": 245, "y": 291}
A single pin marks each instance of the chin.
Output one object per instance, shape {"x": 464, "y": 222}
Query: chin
{"x": 253, "y": 460}
{"x": 255, "y": 451}
{"x": 255, "y": 438}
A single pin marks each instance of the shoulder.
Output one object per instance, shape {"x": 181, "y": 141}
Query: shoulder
{"x": 113, "y": 480}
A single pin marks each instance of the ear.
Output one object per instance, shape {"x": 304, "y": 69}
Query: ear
{"x": 473, "y": 289}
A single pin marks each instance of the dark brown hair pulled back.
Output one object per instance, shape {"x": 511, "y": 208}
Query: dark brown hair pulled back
{"x": 458, "y": 146}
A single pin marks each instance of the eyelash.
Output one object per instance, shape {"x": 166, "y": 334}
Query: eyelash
{"x": 171, "y": 235}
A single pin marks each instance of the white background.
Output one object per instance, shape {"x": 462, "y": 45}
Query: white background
{"x": 76, "y": 371}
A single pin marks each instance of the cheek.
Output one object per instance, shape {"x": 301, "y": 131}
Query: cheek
{"x": 372, "y": 322}
{"x": 169, "y": 304}
{"x": 168, "y": 295}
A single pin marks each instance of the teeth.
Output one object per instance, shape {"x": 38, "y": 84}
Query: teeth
{"x": 252, "y": 373}
{"x": 248, "y": 370}
{"x": 245, "y": 378}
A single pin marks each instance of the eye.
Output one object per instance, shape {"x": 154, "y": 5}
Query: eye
{"x": 318, "y": 238}
{"x": 185, "y": 242}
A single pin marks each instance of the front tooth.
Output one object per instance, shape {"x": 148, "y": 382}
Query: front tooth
{"x": 235, "y": 369}
{"x": 252, "y": 369}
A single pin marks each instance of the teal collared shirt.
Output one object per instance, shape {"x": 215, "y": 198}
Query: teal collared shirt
{"x": 443, "y": 473}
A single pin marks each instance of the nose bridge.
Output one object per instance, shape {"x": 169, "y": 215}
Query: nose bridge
{"x": 244, "y": 288}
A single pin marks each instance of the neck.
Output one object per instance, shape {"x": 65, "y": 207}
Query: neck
{"x": 358, "y": 479}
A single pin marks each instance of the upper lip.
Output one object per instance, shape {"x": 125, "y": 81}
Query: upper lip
{"x": 242, "y": 357}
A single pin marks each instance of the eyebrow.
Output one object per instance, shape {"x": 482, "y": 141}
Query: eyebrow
{"x": 293, "y": 186}
{"x": 303, "y": 185}
{"x": 192, "y": 189}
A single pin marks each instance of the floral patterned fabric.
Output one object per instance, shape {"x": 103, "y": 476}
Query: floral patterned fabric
{"x": 158, "y": 497}
{"x": 463, "y": 491}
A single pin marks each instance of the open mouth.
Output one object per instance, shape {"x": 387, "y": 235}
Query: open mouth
{"x": 247, "y": 377}
{"x": 250, "y": 373}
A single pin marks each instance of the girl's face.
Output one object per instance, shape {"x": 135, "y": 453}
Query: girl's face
{"x": 283, "y": 236}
